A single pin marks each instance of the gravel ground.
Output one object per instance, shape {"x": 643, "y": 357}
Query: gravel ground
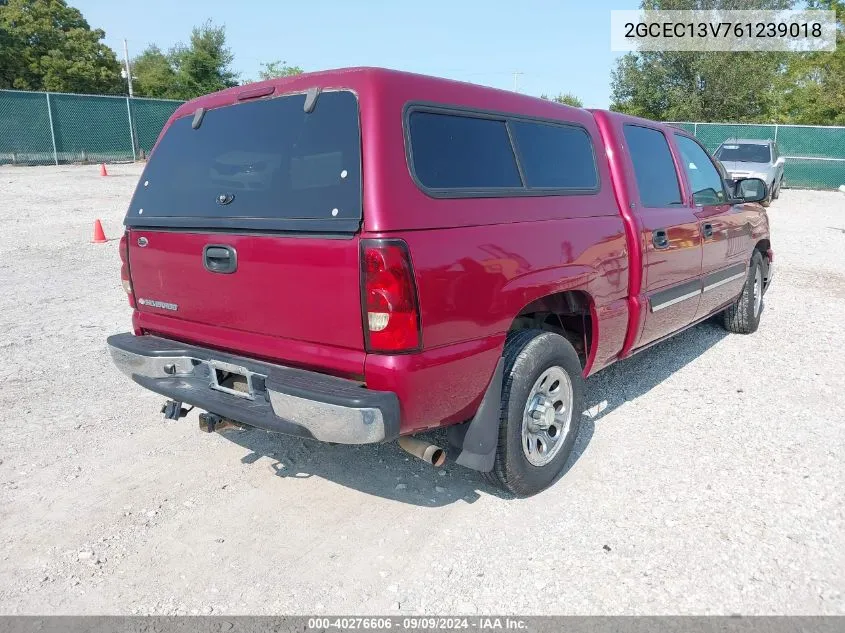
{"x": 710, "y": 483}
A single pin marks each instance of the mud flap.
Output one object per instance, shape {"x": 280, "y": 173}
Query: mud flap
{"x": 481, "y": 434}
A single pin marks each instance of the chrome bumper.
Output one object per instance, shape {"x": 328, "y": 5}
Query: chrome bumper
{"x": 276, "y": 398}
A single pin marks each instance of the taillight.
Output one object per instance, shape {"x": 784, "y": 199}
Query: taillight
{"x": 389, "y": 297}
{"x": 123, "y": 247}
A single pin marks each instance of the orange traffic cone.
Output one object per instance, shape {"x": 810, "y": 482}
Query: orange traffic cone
{"x": 103, "y": 171}
{"x": 99, "y": 235}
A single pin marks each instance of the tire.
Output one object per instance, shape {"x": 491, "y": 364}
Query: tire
{"x": 530, "y": 356}
{"x": 776, "y": 194}
{"x": 743, "y": 316}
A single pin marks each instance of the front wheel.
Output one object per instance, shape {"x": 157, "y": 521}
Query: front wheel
{"x": 743, "y": 316}
{"x": 541, "y": 408}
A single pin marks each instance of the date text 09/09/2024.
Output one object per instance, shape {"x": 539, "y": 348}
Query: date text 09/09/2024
{"x": 417, "y": 623}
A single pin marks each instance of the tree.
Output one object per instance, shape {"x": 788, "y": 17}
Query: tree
{"x": 8, "y": 60}
{"x": 270, "y": 70}
{"x": 153, "y": 74}
{"x": 204, "y": 66}
{"x": 700, "y": 86}
{"x": 185, "y": 72}
{"x": 815, "y": 82}
{"x": 566, "y": 98}
{"x": 697, "y": 86}
{"x": 48, "y": 45}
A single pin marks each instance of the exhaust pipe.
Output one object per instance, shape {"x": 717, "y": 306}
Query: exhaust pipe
{"x": 429, "y": 453}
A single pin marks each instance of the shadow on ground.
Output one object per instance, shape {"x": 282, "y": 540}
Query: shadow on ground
{"x": 387, "y": 471}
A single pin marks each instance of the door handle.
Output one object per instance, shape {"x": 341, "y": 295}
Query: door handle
{"x": 707, "y": 229}
{"x": 660, "y": 238}
{"x": 218, "y": 258}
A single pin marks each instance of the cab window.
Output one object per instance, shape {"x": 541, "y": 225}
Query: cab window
{"x": 704, "y": 178}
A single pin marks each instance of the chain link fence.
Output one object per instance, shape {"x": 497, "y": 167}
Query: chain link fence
{"x": 46, "y": 128}
{"x": 815, "y": 155}
{"x": 42, "y": 128}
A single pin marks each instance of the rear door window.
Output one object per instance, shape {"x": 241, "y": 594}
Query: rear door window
{"x": 257, "y": 164}
{"x": 555, "y": 156}
{"x": 654, "y": 168}
{"x": 462, "y": 152}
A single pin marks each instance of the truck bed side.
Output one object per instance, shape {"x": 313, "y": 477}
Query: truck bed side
{"x": 479, "y": 266}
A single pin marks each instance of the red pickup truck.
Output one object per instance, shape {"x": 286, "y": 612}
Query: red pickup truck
{"x": 359, "y": 255}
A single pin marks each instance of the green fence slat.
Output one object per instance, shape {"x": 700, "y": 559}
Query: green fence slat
{"x": 811, "y": 141}
{"x": 687, "y": 127}
{"x": 714, "y": 134}
{"x": 149, "y": 117}
{"x": 813, "y": 174}
{"x": 809, "y": 150}
{"x": 91, "y": 128}
{"x": 97, "y": 129}
{"x": 24, "y": 129}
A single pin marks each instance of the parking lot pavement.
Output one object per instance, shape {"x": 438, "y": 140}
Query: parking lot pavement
{"x": 710, "y": 480}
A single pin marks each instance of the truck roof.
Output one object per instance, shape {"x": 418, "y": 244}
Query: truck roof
{"x": 393, "y": 82}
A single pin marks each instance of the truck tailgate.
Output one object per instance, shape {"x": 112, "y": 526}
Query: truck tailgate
{"x": 299, "y": 288}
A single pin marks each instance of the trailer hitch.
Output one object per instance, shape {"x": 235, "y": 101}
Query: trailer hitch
{"x": 173, "y": 410}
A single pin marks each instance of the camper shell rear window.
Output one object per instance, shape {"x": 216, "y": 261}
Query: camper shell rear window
{"x": 264, "y": 164}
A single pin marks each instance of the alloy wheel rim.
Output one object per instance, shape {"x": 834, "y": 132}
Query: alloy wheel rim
{"x": 758, "y": 291}
{"x": 547, "y": 417}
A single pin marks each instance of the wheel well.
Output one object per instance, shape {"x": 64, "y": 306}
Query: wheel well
{"x": 566, "y": 313}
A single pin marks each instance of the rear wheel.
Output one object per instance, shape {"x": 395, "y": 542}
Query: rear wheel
{"x": 542, "y": 396}
{"x": 743, "y": 316}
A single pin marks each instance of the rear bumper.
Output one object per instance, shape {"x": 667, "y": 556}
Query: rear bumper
{"x": 280, "y": 399}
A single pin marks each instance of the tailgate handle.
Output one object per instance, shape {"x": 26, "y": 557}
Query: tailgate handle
{"x": 218, "y": 258}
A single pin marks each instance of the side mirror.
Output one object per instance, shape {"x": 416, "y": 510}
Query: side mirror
{"x": 750, "y": 190}
{"x": 781, "y": 161}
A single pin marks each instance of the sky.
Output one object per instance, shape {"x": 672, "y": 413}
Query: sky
{"x": 561, "y": 46}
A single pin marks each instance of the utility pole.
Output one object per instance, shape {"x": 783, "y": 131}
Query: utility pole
{"x": 133, "y": 136}
{"x": 516, "y": 75}
{"x": 128, "y": 68}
